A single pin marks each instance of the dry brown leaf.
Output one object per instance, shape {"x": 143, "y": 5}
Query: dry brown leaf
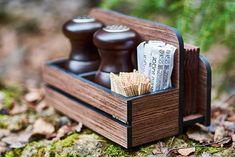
{"x": 232, "y": 118}
{"x": 42, "y": 127}
{"x": 4, "y": 132}
{"x": 199, "y": 135}
{"x": 229, "y": 125}
{"x": 17, "y": 108}
{"x": 157, "y": 150}
{"x": 205, "y": 154}
{"x": 2, "y": 95}
{"x": 186, "y": 151}
{"x": 63, "y": 131}
{"x": 17, "y": 140}
{"x": 3, "y": 147}
{"x": 41, "y": 106}
{"x": 33, "y": 96}
{"x": 18, "y": 122}
{"x": 79, "y": 127}
{"x": 233, "y": 137}
{"x": 223, "y": 141}
{"x": 219, "y": 133}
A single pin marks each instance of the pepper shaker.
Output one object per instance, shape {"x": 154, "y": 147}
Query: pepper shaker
{"x": 115, "y": 44}
{"x": 84, "y": 56}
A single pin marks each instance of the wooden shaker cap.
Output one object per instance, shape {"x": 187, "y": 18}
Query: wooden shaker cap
{"x": 118, "y": 37}
{"x": 81, "y": 28}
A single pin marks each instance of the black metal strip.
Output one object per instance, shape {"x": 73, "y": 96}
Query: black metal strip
{"x": 129, "y": 119}
{"x": 194, "y": 121}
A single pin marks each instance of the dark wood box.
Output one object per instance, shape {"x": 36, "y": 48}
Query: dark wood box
{"x": 132, "y": 121}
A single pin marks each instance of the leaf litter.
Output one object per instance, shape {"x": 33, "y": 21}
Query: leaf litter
{"x": 31, "y": 126}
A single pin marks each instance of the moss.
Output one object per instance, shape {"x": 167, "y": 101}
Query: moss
{"x": 176, "y": 141}
{"x": 13, "y": 153}
{"x": 35, "y": 149}
{"x": 3, "y": 121}
{"x": 208, "y": 149}
{"x": 11, "y": 94}
{"x": 115, "y": 150}
{"x": 146, "y": 150}
{"x": 9, "y": 154}
{"x": 68, "y": 141}
{"x": 226, "y": 153}
{"x": 58, "y": 146}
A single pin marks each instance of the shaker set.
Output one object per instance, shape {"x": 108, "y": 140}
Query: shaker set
{"x": 107, "y": 49}
{"x": 169, "y": 90}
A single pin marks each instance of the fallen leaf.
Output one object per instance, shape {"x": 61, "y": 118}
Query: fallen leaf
{"x": 186, "y": 151}
{"x": 232, "y": 118}
{"x": 17, "y": 122}
{"x": 42, "y": 127}
{"x": 4, "y": 132}
{"x": 233, "y": 137}
{"x": 3, "y": 147}
{"x": 33, "y": 96}
{"x": 2, "y": 95}
{"x": 164, "y": 148}
{"x": 41, "y": 106}
{"x": 219, "y": 133}
{"x": 17, "y": 108}
{"x": 229, "y": 125}
{"x": 199, "y": 135}
{"x": 219, "y": 112}
{"x": 63, "y": 131}
{"x": 18, "y": 140}
{"x": 79, "y": 127}
{"x": 223, "y": 141}
{"x": 205, "y": 154}
{"x": 157, "y": 150}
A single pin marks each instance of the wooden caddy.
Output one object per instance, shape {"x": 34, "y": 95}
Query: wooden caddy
{"x": 132, "y": 121}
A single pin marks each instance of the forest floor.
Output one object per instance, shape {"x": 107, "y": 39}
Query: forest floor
{"x": 29, "y": 127}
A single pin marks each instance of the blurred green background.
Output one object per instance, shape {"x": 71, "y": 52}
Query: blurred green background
{"x": 205, "y": 23}
{"x": 30, "y": 32}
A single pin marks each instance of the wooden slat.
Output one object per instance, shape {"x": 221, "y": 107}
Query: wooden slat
{"x": 204, "y": 89}
{"x": 197, "y": 87}
{"x": 99, "y": 123}
{"x": 146, "y": 29}
{"x": 69, "y": 83}
{"x": 191, "y": 76}
{"x": 155, "y": 117}
{"x": 192, "y": 117}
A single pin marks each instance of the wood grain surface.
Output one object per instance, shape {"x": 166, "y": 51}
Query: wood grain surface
{"x": 197, "y": 86}
{"x": 191, "y": 76}
{"x": 70, "y": 83}
{"x": 155, "y": 117}
{"x": 99, "y": 123}
{"x": 150, "y": 117}
{"x": 204, "y": 90}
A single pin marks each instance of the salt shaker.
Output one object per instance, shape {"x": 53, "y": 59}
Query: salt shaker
{"x": 84, "y": 56}
{"x": 115, "y": 44}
